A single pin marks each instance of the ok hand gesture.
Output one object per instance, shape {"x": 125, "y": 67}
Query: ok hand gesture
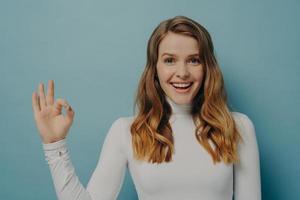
{"x": 51, "y": 123}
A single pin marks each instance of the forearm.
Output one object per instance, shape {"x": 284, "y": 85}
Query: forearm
{"x": 65, "y": 180}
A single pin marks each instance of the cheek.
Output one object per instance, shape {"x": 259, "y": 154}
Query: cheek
{"x": 198, "y": 75}
{"x": 164, "y": 75}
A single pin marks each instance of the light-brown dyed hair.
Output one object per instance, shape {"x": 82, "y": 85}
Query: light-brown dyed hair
{"x": 152, "y": 138}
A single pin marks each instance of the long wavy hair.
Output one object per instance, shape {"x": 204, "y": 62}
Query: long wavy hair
{"x": 152, "y": 138}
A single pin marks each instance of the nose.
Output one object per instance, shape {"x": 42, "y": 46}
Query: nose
{"x": 182, "y": 72}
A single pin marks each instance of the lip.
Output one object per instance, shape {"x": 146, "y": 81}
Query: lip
{"x": 182, "y": 82}
{"x": 182, "y": 91}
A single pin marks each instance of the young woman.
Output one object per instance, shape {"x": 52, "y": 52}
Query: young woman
{"x": 183, "y": 143}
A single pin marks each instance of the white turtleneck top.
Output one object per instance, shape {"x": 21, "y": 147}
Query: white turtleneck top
{"x": 191, "y": 175}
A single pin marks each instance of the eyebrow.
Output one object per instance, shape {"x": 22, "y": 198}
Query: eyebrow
{"x": 196, "y": 54}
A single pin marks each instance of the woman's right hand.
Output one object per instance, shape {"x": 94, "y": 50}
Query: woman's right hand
{"x": 51, "y": 123}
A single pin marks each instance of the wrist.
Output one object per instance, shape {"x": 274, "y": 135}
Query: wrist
{"x": 54, "y": 145}
{"x": 53, "y": 140}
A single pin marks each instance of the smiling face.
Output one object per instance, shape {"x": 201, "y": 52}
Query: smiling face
{"x": 179, "y": 68}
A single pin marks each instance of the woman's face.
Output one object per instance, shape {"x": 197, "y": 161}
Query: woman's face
{"x": 179, "y": 68}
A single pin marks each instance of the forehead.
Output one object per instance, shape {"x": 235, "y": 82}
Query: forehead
{"x": 178, "y": 44}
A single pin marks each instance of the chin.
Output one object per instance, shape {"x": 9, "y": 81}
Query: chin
{"x": 181, "y": 100}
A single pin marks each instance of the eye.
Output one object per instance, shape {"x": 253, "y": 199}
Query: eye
{"x": 195, "y": 60}
{"x": 168, "y": 60}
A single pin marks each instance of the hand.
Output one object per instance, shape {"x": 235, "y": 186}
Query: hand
{"x": 51, "y": 123}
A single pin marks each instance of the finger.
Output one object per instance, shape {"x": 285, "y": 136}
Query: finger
{"x": 35, "y": 103}
{"x": 50, "y": 93}
{"x": 42, "y": 96}
{"x": 70, "y": 112}
{"x": 60, "y": 103}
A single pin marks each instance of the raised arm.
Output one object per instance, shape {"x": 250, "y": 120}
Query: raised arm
{"x": 247, "y": 183}
{"x": 53, "y": 128}
{"x": 66, "y": 183}
{"x": 106, "y": 180}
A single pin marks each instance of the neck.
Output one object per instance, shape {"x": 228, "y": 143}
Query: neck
{"x": 179, "y": 109}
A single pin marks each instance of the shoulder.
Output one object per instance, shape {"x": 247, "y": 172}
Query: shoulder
{"x": 119, "y": 132}
{"x": 121, "y": 125}
{"x": 242, "y": 119}
{"x": 245, "y": 125}
{"x": 123, "y": 121}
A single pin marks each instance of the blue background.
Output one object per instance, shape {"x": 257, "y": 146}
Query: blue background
{"x": 96, "y": 51}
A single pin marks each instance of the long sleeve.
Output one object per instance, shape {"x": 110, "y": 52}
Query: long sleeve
{"x": 247, "y": 183}
{"x": 106, "y": 180}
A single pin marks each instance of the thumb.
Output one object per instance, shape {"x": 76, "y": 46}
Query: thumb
{"x": 60, "y": 103}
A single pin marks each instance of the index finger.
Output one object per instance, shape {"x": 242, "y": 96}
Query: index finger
{"x": 35, "y": 103}
{"x": 50, "y": 93}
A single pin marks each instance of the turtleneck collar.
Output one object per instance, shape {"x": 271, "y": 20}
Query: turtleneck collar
{"x": 179, "y": 109}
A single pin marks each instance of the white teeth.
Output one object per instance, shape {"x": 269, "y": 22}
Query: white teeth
{"x": 183, "y": 85}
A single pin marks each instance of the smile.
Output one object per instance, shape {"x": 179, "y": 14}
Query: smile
{"x": 182, "y": 85}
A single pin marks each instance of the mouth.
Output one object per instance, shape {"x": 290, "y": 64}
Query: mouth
{"x": 182, "y": 86}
